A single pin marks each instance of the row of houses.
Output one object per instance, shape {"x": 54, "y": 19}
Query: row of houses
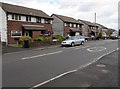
{"x": 17, "y": 21}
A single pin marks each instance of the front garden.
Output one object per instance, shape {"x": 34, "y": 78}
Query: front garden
{"x": 39, "y": 41}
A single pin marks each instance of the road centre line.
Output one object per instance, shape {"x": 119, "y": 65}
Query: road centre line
{"x": 47, "y": 54}
{"x": 72, "y": 71}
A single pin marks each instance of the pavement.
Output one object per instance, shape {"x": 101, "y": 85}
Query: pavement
{"x": 11, "y": 49}
{"x": 103, "y": 73}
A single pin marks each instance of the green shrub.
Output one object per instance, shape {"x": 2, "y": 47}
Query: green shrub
{"x": 100, "y": 35}
{"x": 59, "y": 37}
{"x": 21, "y": 40}
{"x": 41, "y": 38}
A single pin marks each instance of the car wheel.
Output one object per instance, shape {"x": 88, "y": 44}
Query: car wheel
{"x": 72, "y": 44}
{"x": 82, "y": 43}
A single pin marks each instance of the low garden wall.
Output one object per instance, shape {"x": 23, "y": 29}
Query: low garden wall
{"x": 37, "y": 44}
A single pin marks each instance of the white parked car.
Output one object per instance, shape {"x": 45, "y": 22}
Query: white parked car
{"x": 73, "y": 40}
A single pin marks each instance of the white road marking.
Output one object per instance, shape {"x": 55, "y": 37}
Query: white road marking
{"x": 53, "y": 79}
{"x": 82, "y": 47}
{"x": 69, "y": 47}
{"x": 41, "y": 55}
{"x": 96, "y": 49}
{"x": 81, "y": 67}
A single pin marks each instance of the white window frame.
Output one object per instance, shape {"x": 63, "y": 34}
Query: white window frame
{"x": 15, "y": 31}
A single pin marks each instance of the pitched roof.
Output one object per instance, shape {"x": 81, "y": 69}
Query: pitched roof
{"x": 67, "y": 19}
{"x": 102, "y": 26}
{"x": 87, "y": 22}
{"x": 23, "y": 10}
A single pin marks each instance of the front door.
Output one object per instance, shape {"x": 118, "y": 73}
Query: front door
{"x": 28, "y": 33}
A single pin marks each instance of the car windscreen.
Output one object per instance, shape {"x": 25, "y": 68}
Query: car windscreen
{"x": 71, "y": 38}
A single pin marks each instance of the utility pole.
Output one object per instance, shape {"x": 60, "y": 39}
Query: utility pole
{"x": 95, "y": 17}
{"x": 95, "y": 26}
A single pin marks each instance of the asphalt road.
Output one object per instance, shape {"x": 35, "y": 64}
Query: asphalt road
{"x": 32, "y": 68}
{"x": 102, "y": 73}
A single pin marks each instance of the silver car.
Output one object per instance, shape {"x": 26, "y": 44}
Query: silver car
{"x": 74, "y": 40}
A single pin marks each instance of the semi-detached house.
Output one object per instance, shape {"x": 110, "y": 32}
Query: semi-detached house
{"x": 103, "y": 30}
{"x": 89, "y": 28}
{"x": 66, "y": 25}
{"x": 17, "y": 21}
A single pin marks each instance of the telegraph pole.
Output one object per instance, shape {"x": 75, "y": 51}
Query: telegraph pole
{"x": 95, "y": 26}
{"x": 95, "y": 17}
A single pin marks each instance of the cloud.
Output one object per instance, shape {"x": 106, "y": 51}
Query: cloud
{"x": 107, "y": 10}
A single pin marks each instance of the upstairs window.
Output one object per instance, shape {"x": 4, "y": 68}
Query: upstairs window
{"x": 68, "y": 24}
{"x": 19, "y": 17}
{"x": 47, "y": 21}
{"x": 28, "y": 18}
{"x": 72, "y": 25}
{"x": 13, "y": 16}
{"x": 78, "y": 25}
{"x": 16, "y": 17}
{"x": 38, "y": 20}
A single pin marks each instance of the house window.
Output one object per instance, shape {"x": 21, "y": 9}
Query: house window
{"x": 68, "y": 24}
{"x": 28, "y": 18}
{"x": 72, "y": 25}
{"x": 16, "y": 34}
{"x": 64, "y": 24}
{"x": 47, "y": 21}
{"x": 16, "y": 17}
{"x": 45, "y": 33}
{"x": 13, "y": 16}
{"x": 38, "y": 20}
{"x": 76, "y": 25}
{"x": 19, "y": 17}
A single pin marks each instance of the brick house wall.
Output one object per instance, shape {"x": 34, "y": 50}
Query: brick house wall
{"x": 17, "y": 26}
{"x": 67, "y": 30}
{"x": 36, "y": 34}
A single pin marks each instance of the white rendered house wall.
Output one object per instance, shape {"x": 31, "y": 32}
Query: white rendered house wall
{"x": 3, "y": 25}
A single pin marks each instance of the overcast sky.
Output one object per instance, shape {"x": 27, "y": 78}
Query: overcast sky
{"x": 106, "y": 10}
